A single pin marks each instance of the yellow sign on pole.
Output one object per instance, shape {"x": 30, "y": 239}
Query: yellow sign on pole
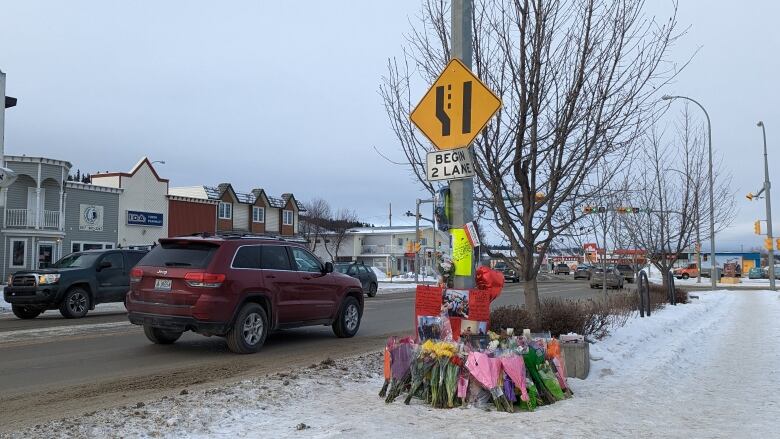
{"x": 461, "y": 252}
{"x": 456, "y": 107}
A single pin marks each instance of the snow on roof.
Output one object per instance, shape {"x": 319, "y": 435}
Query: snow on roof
{"x": 384, "y": 230}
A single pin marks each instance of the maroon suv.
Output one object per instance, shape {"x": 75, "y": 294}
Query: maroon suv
{"x": 238, "y": 288}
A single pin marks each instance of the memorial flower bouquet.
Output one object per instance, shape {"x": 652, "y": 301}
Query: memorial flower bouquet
{"x": 446, "y": 270}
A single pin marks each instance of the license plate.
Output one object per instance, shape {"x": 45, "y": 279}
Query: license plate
{"x": 162, "y": 284}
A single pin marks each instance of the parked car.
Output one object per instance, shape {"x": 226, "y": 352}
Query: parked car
{"x": 562, "y": 268}
{"x": 627, "y": 271}
{"x": 692, "y": 270}
{"x": 364, "y": 274}
{"x": 74, "y": 284}
{"x": 509, "y": 273}
{"x": 583, "y": 271}
{"x": 614, "y": 278}
{"x": 756, "y": 273}
{"x": 766, "y": 272}
{"x": 240, "y": 288}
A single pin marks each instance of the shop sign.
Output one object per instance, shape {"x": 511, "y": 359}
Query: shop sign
{"x": 135, "y": 218}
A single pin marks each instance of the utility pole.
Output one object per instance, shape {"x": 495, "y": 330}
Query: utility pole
{"x": 416, "y": 242}
{"x": 2, "y": 119}
{"x": 767, "y": 196}
{"x": 462, "y": 191}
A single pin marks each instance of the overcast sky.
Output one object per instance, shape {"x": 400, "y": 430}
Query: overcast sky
{"x": 283, "y": 95}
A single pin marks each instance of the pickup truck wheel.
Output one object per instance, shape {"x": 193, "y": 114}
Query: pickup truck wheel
{"x": 26, "y": 312}
{"x": 75, "y": 304}
{"x": 685, "y": 276}
{"x": 249, "y": 330}
{"x": 372, "y": 290}
{"x": 161, "y": 336}
{"x": 348, "y": 321}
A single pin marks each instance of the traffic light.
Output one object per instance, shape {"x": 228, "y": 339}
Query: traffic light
{"x": 620, "y": 210}
{"x": 602, "y": 209}
{"x": 757, "y": 227}
{"x": 587, "y": 210}
{"x": 778, "y": 243}
{"x": 750, "y": 196}
{"x": 768, "y": 244}
{"x": 416, "y": 247}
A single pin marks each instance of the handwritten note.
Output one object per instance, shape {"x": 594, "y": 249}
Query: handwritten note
{"x": 461, "y": 252}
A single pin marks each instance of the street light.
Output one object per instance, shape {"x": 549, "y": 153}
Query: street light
{"x": 767, "y": 185}
{"x": 162, "y": 162}
{"x": 713, "y": 270}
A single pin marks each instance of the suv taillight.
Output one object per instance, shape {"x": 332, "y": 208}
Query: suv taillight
{"x": 204, "y": 280}
{"x": 136, "y": 274}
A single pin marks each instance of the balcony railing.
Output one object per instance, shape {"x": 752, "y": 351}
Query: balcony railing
{"x": 25, "y": 218}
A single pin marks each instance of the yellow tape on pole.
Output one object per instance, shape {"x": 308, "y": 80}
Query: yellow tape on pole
{"x": 461, "y": 252}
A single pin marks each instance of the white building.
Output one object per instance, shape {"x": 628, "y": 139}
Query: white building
{"x": 143, "y": 204}
{"x": 387, "y": 248}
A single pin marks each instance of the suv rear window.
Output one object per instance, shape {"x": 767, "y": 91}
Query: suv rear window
{"x": 180, "y": 254}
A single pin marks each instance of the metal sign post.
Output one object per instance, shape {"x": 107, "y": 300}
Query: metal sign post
{"x": 451, "y": 114}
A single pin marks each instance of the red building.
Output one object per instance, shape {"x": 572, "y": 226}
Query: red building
{"x": 189, "y": 215}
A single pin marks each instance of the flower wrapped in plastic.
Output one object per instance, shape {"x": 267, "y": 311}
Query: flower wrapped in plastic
{"x": 390, "y": 343}
{"x": 423, "y": 364}
{"x": 487, "y": 372}
{"x": 401, "y": 357}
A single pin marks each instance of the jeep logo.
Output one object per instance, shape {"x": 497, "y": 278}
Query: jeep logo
{"x": 162, "y": 272}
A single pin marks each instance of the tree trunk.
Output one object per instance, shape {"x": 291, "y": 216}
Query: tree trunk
{"x": 531, "y": 293}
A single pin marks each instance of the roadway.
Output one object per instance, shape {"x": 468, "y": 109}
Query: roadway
{"x": 51, "y": 367}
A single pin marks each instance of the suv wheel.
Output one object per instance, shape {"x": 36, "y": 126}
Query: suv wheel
{"x": 26, "y": 312}
{"x": 249, "y": 330}
{"x": 685, "y": 276}
{"x": 161, "y": 336}
{"x": 372, "y": 290}
{"x": 75, "y": 304}
{"x": 348, "y": 321}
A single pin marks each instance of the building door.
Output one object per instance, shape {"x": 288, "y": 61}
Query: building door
{"x": 45, "y": 254}
{"x": 32, "y": 206}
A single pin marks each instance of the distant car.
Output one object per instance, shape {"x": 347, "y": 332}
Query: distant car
{"x": 74, "y": 284}
{"x": 756, "y": 273}
{"x": 583, "y": 271}
{"x": 614, "y": 278}
{"x": 562, "y": 268}
{"x": 364, "y": 274}
{"x": 509, "y": 273}
{"x": 626, "y": 271}
{"x": 777, "y": 272}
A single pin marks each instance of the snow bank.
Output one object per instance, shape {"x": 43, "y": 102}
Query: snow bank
{"x": 380, "y": 275}
{"x": 4, "y": 306}
{"x": 679, "y": 373}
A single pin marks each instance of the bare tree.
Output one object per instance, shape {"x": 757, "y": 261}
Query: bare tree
{"x": 312, "y": 225}
{"x": 673, "y": 176}
{"x": 578, "y": 81}
{"x": 339, "y": 225}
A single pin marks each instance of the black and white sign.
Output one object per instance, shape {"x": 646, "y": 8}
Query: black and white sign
{"x": 135, "y": 218}
{"x": 450, "y": 164}
{"x": 90, "y": 218}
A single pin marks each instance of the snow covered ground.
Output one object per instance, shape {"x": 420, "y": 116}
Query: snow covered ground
{"x": 701, "y": 370}
{"x": 4, "y": 306}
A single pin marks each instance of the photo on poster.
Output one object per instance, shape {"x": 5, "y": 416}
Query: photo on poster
{"x": 472, "y": 327}
{"x": 456, "y": 302}
{"x": 429, "y": 327}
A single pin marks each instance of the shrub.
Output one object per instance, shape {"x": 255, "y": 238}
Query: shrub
{"x": 593, "y": 318}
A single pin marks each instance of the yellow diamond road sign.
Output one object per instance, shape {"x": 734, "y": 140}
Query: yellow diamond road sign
{"x": 456, "y": 107}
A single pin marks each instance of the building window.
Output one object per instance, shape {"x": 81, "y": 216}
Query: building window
{"x": 258, "y": 214}
{"x": 18, "y": 253}
{"x": 78, "y": 246}
{"x": 287, "y": 217}
{"x": 423, "y": 241}
{"x": 400, "y": 241}
{"x": 225, "y": 210}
